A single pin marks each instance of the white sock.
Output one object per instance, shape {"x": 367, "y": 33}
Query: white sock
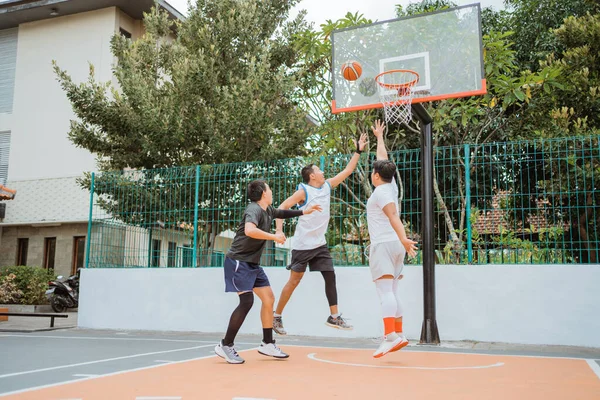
{"x": 399, "y": 307}
{"x": 276, "y": 315}
{"x": 334, "y": 316}
{"x": 387, "y": 299}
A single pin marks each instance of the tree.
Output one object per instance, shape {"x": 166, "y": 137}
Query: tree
{"x": 214, "y": 88}
{"x": 533, "y": 21}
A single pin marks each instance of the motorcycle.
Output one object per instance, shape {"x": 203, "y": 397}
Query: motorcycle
{"x": 63, "y": 293}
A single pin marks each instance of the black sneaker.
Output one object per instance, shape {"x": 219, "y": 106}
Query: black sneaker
{"x": 339, "y": 323}
{"x": 278, "y": 326}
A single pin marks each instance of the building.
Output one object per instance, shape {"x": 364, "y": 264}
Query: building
{"x": 46, "y": 223}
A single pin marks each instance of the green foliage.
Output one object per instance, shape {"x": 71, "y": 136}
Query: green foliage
{"x": 533, "y": 22}
{"x": 31, "y": 283}
{"x": 220, "y": 91}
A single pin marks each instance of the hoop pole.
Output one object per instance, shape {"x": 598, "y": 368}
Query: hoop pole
{"x": 429, "y": 329}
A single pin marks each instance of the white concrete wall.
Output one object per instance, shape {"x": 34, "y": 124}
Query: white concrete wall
{"x": 40, "y": 147}
{"x": 512, "y": 304}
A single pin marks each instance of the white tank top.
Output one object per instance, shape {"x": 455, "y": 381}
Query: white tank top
{"x": 311, "y": 228}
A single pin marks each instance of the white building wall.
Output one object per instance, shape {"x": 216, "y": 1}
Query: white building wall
{"x": 554, "y": 305}
{"x": 40, "y": 147}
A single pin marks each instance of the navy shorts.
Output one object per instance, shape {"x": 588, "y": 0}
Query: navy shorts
{"x": 242, "y": 276}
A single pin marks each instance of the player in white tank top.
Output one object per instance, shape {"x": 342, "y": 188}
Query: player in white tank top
{"x": 309, "y": 246}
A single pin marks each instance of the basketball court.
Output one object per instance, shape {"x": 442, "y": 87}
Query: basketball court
{"x": 87, "y": 365}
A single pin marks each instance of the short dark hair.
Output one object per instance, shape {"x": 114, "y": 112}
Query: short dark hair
{"x": 256, "y": 189}
{"x": 386, "y": 170}
{"x": 306, "y": 171}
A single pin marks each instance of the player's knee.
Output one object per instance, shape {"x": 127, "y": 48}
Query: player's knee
{"x": 246, "y": 301}
{"x": 269, "y": 300}
{"x": 295, "y": 280}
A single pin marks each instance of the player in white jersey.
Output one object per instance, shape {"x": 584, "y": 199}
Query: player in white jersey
{"x": 389, "y": 245}
{"x": 309, "y": 246}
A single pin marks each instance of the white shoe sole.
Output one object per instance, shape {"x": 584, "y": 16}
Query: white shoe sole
{"x": 338, "y": 327}
{"x": 274, "y": 356}
{"x": 219, "y": 351}
{"x": 396, "y": 345}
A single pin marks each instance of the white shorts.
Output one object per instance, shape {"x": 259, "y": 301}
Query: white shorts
{"x": 386, "y": 258}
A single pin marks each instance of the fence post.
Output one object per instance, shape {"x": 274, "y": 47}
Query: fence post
{"x": 195, "y": 250}
{"x": 468, "y": 202}
{"x": 89, "y": 228}
{"x": 322, "y": 163}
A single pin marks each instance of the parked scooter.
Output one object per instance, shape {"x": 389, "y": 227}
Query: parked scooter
{"x": 63, "y": 293}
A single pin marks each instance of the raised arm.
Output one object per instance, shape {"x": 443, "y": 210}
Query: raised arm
{"x": 296, "y": 198}
{"x": 392, "y": 214}
{"x": 339, "y": 178}
{"x": 378, "y": 132}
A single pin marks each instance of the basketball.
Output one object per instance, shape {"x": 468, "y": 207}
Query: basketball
{"x": 351, "y": 70}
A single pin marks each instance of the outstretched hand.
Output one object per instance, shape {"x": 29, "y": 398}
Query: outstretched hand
{"x": 410, "y": 247}
{"x": 313, "y": 208}
{"x": 378, "y": 129}
{"x": 362, "y": 142}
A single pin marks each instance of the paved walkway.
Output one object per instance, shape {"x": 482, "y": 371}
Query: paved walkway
{"x": 35, "y": 324}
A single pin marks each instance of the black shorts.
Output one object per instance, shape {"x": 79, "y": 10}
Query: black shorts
{"x": 318, "y": 259}
{"x": 242, "y": 276}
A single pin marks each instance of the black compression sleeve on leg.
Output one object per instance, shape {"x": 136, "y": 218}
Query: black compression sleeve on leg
{"x": 237, "y": 317}
{"x": 330, "y": 287}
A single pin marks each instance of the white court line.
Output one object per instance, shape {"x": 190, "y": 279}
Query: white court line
{"x": 250, "y": 398}
{"x": 101, "y": 361}
{"x": 123, "y": 338}
{"x": 410, "y": 349}
{"x": 86, "y": 375}
{"x": 594, "y": 366}
{"x": 157, "y": 398}
{"x": 110, "y": 374}
{"x": 164, "y": 361}
{"x": 312, "y": 356}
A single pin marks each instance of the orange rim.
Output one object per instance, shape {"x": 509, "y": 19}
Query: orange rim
{"x": 398, "y": 85}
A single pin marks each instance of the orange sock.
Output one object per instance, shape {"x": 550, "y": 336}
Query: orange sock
{"x": 388, "y": 325}
{"x": 398, "y": 325}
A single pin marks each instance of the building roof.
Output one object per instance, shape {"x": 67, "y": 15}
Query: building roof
{"x": 47, "y": 201}
{"x": 16, "y": 12}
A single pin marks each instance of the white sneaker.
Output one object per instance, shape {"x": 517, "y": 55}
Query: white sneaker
{"x": 228, "y": 353}
{"x": 388, "y": 346}
{"x": 402, "y": 344}
{"x": 271, "y": 350}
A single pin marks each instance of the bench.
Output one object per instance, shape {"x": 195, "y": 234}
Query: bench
{"x": 51, "y": 316}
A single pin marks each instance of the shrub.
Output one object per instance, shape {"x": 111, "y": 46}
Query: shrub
{"x": 9, "y": 292}
{"x": 31, "y": 281}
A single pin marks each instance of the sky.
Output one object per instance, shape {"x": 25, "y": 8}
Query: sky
{"x": 318, "y": 11}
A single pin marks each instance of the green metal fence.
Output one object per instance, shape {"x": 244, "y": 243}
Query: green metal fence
{"x": 527, "y": 202}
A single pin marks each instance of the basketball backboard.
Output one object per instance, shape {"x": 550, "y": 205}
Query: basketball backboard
{"x": 444, "y": 48}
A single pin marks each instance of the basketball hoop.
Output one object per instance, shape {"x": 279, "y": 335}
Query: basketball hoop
{"x": 395, "y": 93}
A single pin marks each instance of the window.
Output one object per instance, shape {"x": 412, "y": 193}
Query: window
{"x": 78, "y": 254}
{"x": 125, "y": 33}
{"x": 156, "y": 253}
{"x": 22, "y": 247}
{"x": 171, "y": 254}
{"x": 8, "y": 67}
{"x": 186, "y": 254}
{"x": 4, "y": 152}
{"x": 49, "y": 252}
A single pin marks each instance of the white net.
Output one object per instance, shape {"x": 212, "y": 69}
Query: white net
{"x": 395, "y": 93}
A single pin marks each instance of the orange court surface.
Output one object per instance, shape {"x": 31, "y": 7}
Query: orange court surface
{"x": 136, "y": 366}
